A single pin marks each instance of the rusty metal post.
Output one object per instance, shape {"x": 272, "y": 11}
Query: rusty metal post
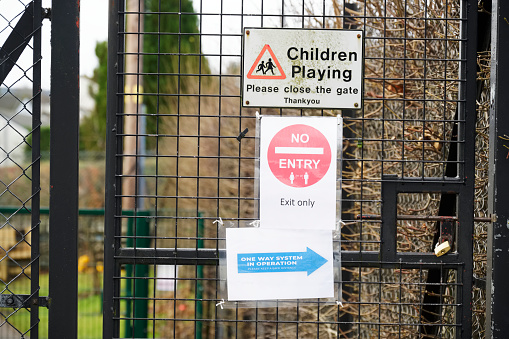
{"x": 497, "y": 294}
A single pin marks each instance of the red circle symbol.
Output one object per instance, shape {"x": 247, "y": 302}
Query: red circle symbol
{"x": 299, "y": 155}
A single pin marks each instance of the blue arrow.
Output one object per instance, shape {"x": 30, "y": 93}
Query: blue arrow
{"x": 308, "y": 261}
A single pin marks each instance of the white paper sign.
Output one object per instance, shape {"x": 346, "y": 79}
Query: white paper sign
{"x": 266, "y": 264}
{"x": 166, "y": 277}
{"x": 310, "y": 68}
{"x": 298, "y": 172}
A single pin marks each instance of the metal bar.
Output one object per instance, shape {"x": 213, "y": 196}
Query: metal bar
{"x": 24, "y": 301}
{"x": 210, "y": 256}
{"x": 167, "y": 256}
{"x": 111, "y": 286}
{"x": 466, "y": 151}
{"x": 498, "y": 235}
{"x": 63, "y": 243}
{"x": 420, "y": 217}
{"x": 36, "y": 172}
{"x": 389, "y": 226}
{"x": 43, "y": 210}
{"x": 413, "y": 185}
{"x": 19, "y": 38}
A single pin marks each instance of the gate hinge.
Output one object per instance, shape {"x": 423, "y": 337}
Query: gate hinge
{"x": 46, "y": 13}
{"x": 22, "y": 301}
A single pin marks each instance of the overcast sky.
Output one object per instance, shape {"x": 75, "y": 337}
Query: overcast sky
{"x": 94, "y": 25}
{"x": 94, "y": 28}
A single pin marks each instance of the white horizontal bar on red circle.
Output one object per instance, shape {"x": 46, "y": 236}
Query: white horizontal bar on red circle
{"x": 298, "y": 150}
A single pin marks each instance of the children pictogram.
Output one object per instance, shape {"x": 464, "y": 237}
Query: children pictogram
{"x": 266, "y": 66}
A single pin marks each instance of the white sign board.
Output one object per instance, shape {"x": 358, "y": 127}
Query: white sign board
{"x": 309, "y": 68}
{"x": 266, "y": 264}
{"x": 298, "y": 171}
{"x": 166, "y": 277}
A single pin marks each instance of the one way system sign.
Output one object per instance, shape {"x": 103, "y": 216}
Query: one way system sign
{"x": 298, "y": 172}
{"x": 267, "y": 264}
{"x": 308, "y": 68}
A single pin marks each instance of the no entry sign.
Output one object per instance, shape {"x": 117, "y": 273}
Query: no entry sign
{"x": 298, "y": 172}
{"x": 299, "y": 155}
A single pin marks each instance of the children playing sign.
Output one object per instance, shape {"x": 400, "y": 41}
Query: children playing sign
{"x": 302, "y": 68}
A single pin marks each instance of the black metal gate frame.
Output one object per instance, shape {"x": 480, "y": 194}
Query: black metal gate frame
{"x": 64, "y": 104}
{"x": 64, "y": 159}
{"x": 461, "y": 185}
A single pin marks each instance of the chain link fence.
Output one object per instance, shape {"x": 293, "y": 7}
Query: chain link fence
{"x": 21, "y": 100}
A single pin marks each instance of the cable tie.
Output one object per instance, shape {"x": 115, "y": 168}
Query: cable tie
{"x": 255, "y": 223}
{"x": 221, "y": 303}
{"x": 242, "y": 134}
{"x": 219, "y": 221}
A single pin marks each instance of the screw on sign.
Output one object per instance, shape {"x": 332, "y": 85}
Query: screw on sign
{"x": 299, "y": 155}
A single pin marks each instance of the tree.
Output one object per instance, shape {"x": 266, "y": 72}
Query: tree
{"x": 166, "y": 54}
{"x": 172, "y": 45}
{"x": 93, "y": 127}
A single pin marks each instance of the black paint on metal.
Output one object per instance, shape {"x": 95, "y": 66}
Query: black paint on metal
{"x": 432, "y": 309}
{"x": 459, "y": 186}
{"x": 210, "y": 256}
{"x": 111, "y": 285}
{"x": 440, "y": 218}
{"x": 242, "y": 134}
{"x": 63, "y": 243}
{"x": 36, "y": 174}
{"x": 24, "y": 301}
{"x": 437, "y": 274}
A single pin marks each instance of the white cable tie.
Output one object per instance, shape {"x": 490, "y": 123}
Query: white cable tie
{"x": 220, "y": 221}
{"x": 339, "y": 303}
{"x": 255, "y": 223}
{"x": 258, "y": 116}
{"x": 221, "y": 303}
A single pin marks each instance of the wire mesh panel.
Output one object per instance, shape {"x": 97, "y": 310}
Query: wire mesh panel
{"x": 181, "y": 157}
{"x": 20, "y": 111}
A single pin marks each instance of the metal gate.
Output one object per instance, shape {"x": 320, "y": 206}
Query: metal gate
{"x": 20, "y": 227}
{"x": 181, "y": 155}
{"x": 24, "y": 295}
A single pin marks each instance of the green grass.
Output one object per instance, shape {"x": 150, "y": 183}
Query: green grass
{"x": 89, "y": 307}
{"x": 90, "y": 318}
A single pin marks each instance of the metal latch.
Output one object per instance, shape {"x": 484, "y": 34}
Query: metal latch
{"x": 22, "y": 301}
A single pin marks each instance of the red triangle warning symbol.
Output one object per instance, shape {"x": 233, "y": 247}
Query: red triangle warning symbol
{"x": 266, "y": 68}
